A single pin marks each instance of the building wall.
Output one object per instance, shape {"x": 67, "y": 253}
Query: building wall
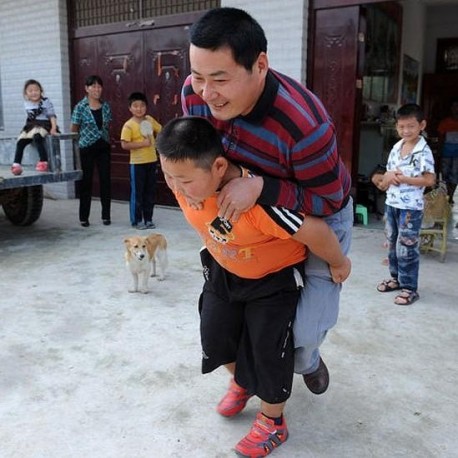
{"x": 441, "y": 22}
{"x": 34, "y": 44}
{"x": 413, "y": 20}
{"x": 285, "y": 25}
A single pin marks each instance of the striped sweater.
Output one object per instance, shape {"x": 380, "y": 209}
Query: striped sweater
{"x": 290, "y": 140}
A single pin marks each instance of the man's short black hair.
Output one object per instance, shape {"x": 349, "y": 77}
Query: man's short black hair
{"x": 136, "y": 96}
{"x": 190, "y": 138}
{"x": 232, "y": 28}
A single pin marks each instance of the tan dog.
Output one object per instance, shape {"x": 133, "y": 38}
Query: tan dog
{"x": 141, "y": 255}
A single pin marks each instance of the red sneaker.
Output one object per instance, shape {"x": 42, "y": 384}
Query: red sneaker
{"x": 234, "y": 401}
{"x": 16, "y": 169}
{"x": 263, "y": 438}
{"x": 42, "y": 166}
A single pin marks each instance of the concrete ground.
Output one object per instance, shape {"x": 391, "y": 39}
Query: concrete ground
{"x": 89, "y": 370}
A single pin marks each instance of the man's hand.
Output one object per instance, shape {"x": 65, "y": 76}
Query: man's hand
{"x": 238, "y": 196}
{"x": 340, "y": 273}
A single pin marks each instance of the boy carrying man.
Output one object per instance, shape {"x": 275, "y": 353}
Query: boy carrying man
{"x": 138, "y": 136}
{"x": 253, "y": 271}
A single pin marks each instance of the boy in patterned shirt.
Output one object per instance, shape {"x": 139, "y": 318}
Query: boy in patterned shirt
{"x": 410, "y": 169}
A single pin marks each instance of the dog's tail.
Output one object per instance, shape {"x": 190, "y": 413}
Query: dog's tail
{"x": 162, "y": 259}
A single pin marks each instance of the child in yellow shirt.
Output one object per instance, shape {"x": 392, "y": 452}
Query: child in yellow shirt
{"x": 138, "y": 136}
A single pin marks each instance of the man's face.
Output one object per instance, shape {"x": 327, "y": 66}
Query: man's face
{"x": 228, "y": 88}
{"x": 195, "y": 183}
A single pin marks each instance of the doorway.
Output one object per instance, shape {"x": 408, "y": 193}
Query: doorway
{"x": 347, "y": 64}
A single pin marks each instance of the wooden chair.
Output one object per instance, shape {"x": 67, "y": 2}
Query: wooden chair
{"x": 433, "y": 235}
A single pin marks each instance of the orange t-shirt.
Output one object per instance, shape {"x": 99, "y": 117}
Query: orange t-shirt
{"x": 258, "y": 244}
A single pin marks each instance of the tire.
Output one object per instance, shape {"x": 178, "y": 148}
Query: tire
{"x": 24, "y": 205}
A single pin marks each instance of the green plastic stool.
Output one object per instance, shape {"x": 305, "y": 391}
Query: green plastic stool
{"x": 361, "y": 211}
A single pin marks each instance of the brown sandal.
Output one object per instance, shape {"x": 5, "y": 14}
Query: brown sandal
{"x": 388, "y": 285}
{"x": 406, "y": 297}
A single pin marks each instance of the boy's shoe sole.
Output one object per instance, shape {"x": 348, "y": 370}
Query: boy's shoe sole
{"x": 234, "y": 401}
{"x": 264, "y": 437}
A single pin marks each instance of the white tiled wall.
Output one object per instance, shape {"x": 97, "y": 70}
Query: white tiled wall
{"x": 34, "y": 44}
{"x": 285, "y": 25}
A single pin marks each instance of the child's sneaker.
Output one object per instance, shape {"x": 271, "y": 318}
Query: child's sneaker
{"x": 234, "y": 401}
{"x": 16, "y": 169}
{"x": 263, "y": 437}
{"x": 42, "y": 166}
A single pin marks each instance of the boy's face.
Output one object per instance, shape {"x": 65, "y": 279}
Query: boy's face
{"x": 138, "y": 108}
{"x": 409, "y": 128}
{"x": 195, "y": 183}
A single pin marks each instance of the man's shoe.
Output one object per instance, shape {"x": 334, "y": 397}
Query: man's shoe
{"x": 234, "y": 401}
{"x": 106, "y": 222}
{"x": 263, "y": 438}
{"x": 317, "y": 382}
{"x": 150, "y": 225}
{"x": 85, "y": 223}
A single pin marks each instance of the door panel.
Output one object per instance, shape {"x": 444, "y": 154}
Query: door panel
{"x": 167, "y": 65}
{"x": 335, "y": 73}
{"x": 121, "y": 68}
{"x": 154, "y": 61}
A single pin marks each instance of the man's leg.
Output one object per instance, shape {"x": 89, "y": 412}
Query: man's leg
{"x": 318, "y": 307}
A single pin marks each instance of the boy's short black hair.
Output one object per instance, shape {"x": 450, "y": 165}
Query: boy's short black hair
{"x": 410, "y": 110}
{"x": 92, "y": 79}
{"x": 190, "y": 138}
{"x": 232, "y": 28}
{"x": 135, "y": 96}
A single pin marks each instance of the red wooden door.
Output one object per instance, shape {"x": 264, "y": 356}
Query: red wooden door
{"x": 336, "y": 73}
{"x": 166, "y": 67}
{"x": 154, "y": 61}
